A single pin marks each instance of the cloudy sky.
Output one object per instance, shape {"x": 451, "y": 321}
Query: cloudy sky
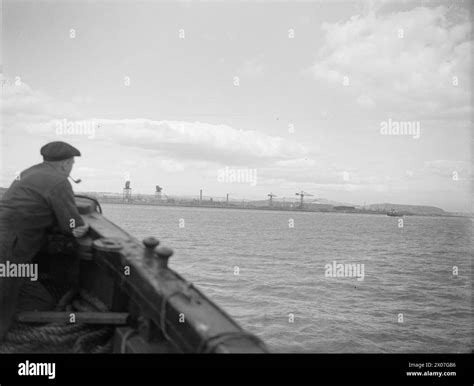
{"x": 170, "y": 93}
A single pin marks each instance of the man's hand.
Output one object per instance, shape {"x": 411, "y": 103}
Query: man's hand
{"x": 80, "y": 231}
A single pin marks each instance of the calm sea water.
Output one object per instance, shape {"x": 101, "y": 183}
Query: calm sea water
{"x": 408, "y": 271}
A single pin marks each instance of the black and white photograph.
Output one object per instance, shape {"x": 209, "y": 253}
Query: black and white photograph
{"x": 236, "y": 177}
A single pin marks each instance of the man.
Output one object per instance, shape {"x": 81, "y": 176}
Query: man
{"x": 40, "y": 198}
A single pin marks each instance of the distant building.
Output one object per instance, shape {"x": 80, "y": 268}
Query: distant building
{"x": 344, "y": 208}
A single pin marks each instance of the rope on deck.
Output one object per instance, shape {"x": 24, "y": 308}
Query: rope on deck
{"x": 55, "y": 337}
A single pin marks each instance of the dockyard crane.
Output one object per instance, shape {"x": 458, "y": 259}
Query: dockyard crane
{"x": 302, "y": 194}
{"x": 158, "y": 192}
{"x": 271, "y": 195}
{"x": 127, "y": 192}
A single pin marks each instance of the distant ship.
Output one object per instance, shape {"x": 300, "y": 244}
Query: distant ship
{"x": 392, "y": 213}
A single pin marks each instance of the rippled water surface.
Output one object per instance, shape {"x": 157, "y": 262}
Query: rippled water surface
{"x": 408, "y": 271}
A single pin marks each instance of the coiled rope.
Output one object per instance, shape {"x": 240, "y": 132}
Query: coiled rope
{"x": 55, "y": 337}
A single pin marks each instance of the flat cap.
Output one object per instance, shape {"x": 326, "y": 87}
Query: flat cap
{"x": 58, "y": 151}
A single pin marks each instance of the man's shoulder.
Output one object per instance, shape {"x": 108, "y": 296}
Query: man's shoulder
{"x": 44, "y": 171}
{"x": 42, "y": 178}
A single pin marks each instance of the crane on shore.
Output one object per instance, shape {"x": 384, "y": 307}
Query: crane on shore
{"x": 302, "y": 195}
{"x": 271, "y": 195}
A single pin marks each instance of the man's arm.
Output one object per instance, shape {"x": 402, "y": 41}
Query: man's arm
{"x": 61, "y": 199}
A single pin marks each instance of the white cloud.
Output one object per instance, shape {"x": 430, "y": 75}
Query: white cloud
{"x": 297, "y": 163}
{"x": 365, "y": 101}
{"x": 20, "y": 101}
{"x": 403, "y": 61}
{"x": 252, "y": 68}
{"x": 447, "y": 169}
{"x": 198, "y": 140}
{"x": 172, "y": 166}
{"x": 25, "y": 111}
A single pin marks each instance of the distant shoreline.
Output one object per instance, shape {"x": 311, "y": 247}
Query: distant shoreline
{"x": 279, "y": 209}
{"x": 405, "y": 210}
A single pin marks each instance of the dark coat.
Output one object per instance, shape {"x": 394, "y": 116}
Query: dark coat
{"x": 40, "y": 199}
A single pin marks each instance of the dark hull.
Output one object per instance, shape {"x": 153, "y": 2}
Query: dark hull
{"x": 151, "y": 308}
